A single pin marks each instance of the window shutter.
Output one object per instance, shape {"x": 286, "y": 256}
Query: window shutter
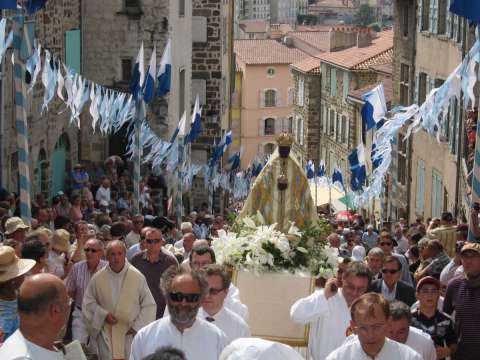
{"x": 278, "y": 98}
{"x": 345, "y": 84}
{"x": 347, "y": 134}
{"x": 455, "y": 27}
{"x": 432, "y": 19}
{"x": 260, "y": 150}
{"x": 262, "y": 98}
{"x": 290, "y": 96}
{"x": 419, "y": 197}
{"x": 417, "y": 81}
{"x": 420, "y": 15}
{"x": 261, "y": 127}
{"x": 449, "y": 19}
{"x": 301, "y": 130}
{"x": 301, "y": 88}
{"x": 278, "y": 125}
{"x": 324, "y": 120}
{"x": 333, "y": 82}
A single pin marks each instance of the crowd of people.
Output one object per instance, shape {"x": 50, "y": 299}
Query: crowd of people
{"x": 139, "y": 286}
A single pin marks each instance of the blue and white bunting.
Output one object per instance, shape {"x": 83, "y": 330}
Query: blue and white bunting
{"x": 375, "y": 106}
{"x": 358, "y": 169}
{"x": 138, "y": 75}
{"x": 165, "y": 71}
{"x": 149, "y": 86}
{"x": 196, "y": 123}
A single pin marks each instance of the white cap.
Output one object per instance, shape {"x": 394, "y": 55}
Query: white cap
{"x": 358, "y": 253}
{"x": 258, "y": 349}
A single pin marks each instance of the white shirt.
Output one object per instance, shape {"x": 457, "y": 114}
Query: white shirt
{"x": 422, "y": 343}
{"x": 103, "y": 194}
{"x": 391, "y": 350}
{"x": 56, "y": 263}
{"x": 387, "y": 294}
{"x": 402, "y": 246}
{"x": 329, "y": 320}
{"x": 132, "y": 238}
{"x": 203, "y": 341}
{"x": 233, "y": 302}
{"x": 230, "y": 323}
{"x": 16, "y": 347}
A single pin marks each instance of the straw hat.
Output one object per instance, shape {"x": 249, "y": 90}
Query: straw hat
{"x": 13, "y": 224}
{"x": 11, "y": 266}
{"x": 61, "y": 240}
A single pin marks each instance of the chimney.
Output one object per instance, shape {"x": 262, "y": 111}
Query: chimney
{"x": 364, "y": 38}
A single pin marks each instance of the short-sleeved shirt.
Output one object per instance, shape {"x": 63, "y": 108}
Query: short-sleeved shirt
{"x": 9, "y": 318}
{"x": 153, "y": 272}
{"x": 439, "y": 327}
{"x": 465, "y": 301}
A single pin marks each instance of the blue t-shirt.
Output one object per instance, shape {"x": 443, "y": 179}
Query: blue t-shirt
{"x": 9, "y": 318}
{"x": 79, "y": 176}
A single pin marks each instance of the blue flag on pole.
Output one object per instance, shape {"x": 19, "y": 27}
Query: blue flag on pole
{"x": 357, "y": 166}
{"x": 469, "y": 9}
{"x": 165, "y": 71}
{"x": 8, "y": 4}
{"x": 196, "y": 124}
{"x": 34, "y": 5}
{"x": 220, "y": 149}
{"x": 337, "y": 177}
{"x": 234, "y": 161}
{"x": 310, "y": 170}
{"x": 375, "y": 107}
{"x": 138, "y": 75}
{"x": 376, "y": 160}
{"x": 149, "y": 86}
{"x": 321, "y": 169}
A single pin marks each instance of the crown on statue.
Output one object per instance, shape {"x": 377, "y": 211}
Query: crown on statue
{"x": 285, "y": 139}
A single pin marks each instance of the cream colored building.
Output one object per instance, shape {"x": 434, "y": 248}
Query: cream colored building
{"x": 266, "y": 95}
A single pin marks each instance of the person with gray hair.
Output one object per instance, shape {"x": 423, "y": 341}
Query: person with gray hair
{"x": 374, "y": 261}
{"x": 435, "y": 260}
{"x": 117, "y": 304}
{"x": 166, "y": 353}
{"x": 402, "y": 332}
{"x": 184, "y": 290}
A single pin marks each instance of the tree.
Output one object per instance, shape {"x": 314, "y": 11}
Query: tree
{"x": 365, "y": 16}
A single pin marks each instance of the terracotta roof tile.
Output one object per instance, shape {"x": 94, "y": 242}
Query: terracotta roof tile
{"x": 253, "y": 26}
{"x": 318, "y": 39}
{"x": 309, "y": 65}
{"x": 256, "y": 52}
{"x": 387, "y": 88}
{"x": 354, "y": 58}
{"x": 383, "y": 68}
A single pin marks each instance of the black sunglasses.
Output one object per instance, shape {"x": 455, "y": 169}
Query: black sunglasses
{"x": 386, "y": 243}
{"x": 90, "y": 250}
{"x": 389, "y": 271}
{"x": 190, "y": 298}
{"x": 153, "y": 241}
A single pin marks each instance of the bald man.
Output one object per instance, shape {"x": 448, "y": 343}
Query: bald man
{"x": 43, "y": 306}
{"x": 116, "y": 305}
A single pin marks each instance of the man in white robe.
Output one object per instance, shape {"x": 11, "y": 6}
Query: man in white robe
{"x": 213, "y": 309}
{"x": 117, "y": 304}
{"x": 370, "y": 316}
{"x": 327, "y": 310}
{"x": 184, "y": 290}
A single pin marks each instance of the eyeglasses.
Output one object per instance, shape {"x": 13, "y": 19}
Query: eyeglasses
{"x": 179, "y": 297}
{"x": 90, "y": 250}
{"x": 428, "y": 291}
{"x": 385, "y": 243}
{"x": 153, "y": 241}
{"x": 213, "y": 291}
{"x": 370, "y": 328}
{"x": 390, "y": 271}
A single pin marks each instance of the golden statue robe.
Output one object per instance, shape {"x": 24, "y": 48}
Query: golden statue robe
{"x": 294, "y": 204}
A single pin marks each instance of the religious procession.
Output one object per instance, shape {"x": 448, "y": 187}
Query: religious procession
{"x": 256, "y": 229}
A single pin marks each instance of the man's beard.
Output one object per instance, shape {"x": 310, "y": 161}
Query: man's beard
{"x": 182, "y": 315}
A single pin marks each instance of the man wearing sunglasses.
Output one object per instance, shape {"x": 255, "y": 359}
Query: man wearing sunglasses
{"x": 117, "y": 304}
{"x": 185, "y": 291}
{"x": 152, "y": 263}
{"x": 213, "y": 309}
{"x": 390, "y": 286}
{"x": 386, "y": 243}
{"x": 77, "y": 283}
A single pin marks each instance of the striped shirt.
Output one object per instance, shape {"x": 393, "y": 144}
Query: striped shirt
{"x": 465, "y": 301}
{"x": 79, "y": 278}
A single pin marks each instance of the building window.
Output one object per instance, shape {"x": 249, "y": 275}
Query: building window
{"x": 270, "y": 71}
{"x": 290, "y": 125}
{"x": 291, "y": 95}
{"x": 300, "y": 130}
{"x": 181, "y": 8}
{"x": 402, "y": 160}
{"x": 344, "y": 130}
{"x": 300, "y": 92}
{"x": 331, "y": 129}
{"x": 269, "y": 126}
{"x": 132, "y": 3}
{"x": 425, "y": 24}
{"x": 405, "y": 21}
{"x": 437, "y": 194}
{"x": 404, "y": 84}
{"x": 126, "y": 69}
{"x": 181, "y": 99}
{"x": 442, "y": 17}
{"x": 333, "y": 82}
{"x": 337, "y": 128}
{"x": 422, "y": 88}
{"x": 270, "y": 98}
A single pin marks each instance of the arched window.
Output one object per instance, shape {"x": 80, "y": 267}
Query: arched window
{"x": 270, "y": 98}
{"x": 269, "y": 128}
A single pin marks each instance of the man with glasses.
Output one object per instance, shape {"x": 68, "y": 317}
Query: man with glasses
{"x": 390, "y": 286}
{"x": 370, "y": 315}
{"x": 185, "y": 291}
{"x": 133, "y": 237}
{"x": 117, "y": 304}
{"x": 430, "y": 320}
{"x": 152, "y": 263}
{"x": 385, "y": 242}
{"x": 326, "y": 310}
{"x": 213, "y": 310}
{"x": 77, "y": 282}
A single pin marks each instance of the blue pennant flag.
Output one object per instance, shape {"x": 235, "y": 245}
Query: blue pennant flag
{"x": 8, "y": 4}
{"x": 234, "y": 161}
{"x": 375, "y": 107}
{"x": 469, "y": 9}
{"x": 34, "y": 5}
{"x": 256, "y": 167}
{"x": 357, "y": 166}
{"x": 310, "y": 170}
{"x": 321, "y": 169}
{"x": 376, "y": 160}
{"x": 138, "y": 75}
{"x": 337, "y": 177}
{"x": 165, "y": 71}
{"x": 220, "y": 149}
{"x": 149, "y": 86}
{"x": 196, "y": 124}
